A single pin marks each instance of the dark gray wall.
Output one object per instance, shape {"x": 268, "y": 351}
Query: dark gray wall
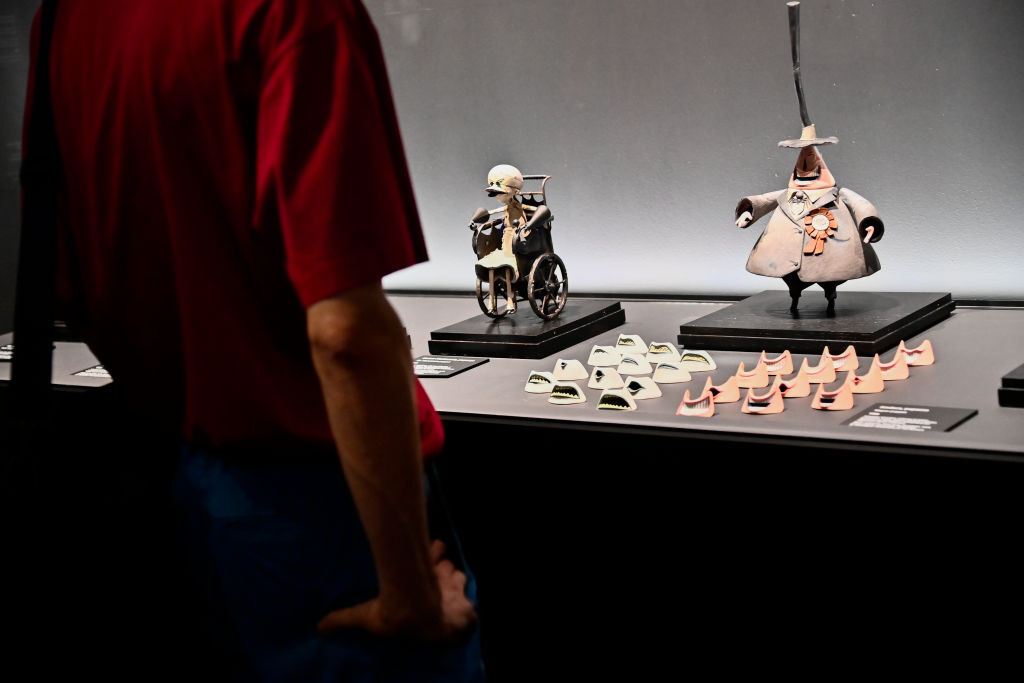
{"x": 655, "y": 116}
{"x": 15, "y": 22}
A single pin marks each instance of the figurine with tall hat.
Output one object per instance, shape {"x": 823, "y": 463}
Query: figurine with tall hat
{"x": 819, "y": 233}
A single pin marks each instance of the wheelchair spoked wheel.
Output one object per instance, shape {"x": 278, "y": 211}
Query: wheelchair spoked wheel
{"x": 495, "y": 286}
{"x": 548, "y": 286}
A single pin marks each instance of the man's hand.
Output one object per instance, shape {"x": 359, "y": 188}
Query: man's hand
{"x": 744, "y": 219}
{"x": 451, "y": 625}
{"x": 362, "y": 358}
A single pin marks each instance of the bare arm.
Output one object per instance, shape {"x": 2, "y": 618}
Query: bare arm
{"x": 361, "y": 356}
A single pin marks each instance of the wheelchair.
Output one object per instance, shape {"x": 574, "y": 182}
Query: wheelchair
{"x": 541, "y": 277}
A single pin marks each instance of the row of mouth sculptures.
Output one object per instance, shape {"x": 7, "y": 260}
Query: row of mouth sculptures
{"x": 620, "y": 393}
{"x": 798, "y": 386}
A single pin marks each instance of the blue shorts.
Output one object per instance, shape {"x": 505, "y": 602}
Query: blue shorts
{"x": 272, "y": 546}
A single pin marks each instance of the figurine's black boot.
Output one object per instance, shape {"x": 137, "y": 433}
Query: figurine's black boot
{"x": 830, "y": 295}
{"x": 795, "y": 287}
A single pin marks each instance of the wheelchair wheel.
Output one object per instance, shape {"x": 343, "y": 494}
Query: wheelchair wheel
{"x": 497, "y": 308}
{"x": 548, "y": 286}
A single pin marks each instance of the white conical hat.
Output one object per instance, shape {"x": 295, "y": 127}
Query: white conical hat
{"x": 809, "y": 137}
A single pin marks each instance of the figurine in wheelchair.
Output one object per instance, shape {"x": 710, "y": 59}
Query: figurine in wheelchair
{"x": 516, "y": 259}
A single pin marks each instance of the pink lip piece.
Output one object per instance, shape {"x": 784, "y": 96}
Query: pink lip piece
{"x": 754, "y": 379}
{"x": 726, "y": 392}
{"x": 822, "y": 373}
{"x": 846, "y": 361}
{"x": 702, "y": 406}
{"x": 870, "y": 382}
{"x": 767, "y": 403}
{"x": 895, "y": 369}
{"x": 839, "y": 399}
{"x": 922, "y": 355}
{"x": 797, "y": 386}
{"x": 779, "y": 365}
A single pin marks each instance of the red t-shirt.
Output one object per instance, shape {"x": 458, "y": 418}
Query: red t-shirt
{"x": 228, "y": 163}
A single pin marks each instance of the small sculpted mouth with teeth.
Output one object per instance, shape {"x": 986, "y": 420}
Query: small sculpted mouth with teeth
{"x": 700, "y": 406}
{"x": 630, "y": 361}
{"x": 695, "y": 358}
{"x": 613, "y": 402}
{"x": 634, "y": 387}
{"x": 626, "y": 341}
{"x": 660, "y": 348}
{"x": 539, "y": 379}
{"x": 562, "y": 391}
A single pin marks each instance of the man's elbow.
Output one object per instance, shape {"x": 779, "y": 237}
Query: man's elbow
{"x": 352, "y": 325}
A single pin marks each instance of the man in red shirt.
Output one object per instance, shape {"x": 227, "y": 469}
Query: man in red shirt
{"x": 235, "y": 189}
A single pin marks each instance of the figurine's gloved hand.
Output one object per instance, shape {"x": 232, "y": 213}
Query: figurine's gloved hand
{"x": 871, "y": 229}
{"x": 744, "y": 219}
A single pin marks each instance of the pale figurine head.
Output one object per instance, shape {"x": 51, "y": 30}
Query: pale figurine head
{"x": 810, "y": 172}
{"x": 504, "y": 182}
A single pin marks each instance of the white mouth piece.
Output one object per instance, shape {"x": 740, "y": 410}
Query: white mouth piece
{"x": 539, "y": 382}
{"x": 631, "y": 343}
{"x": 634, "y": 364}
{"x": 641, "y": 388}
{"x": 670, "y": 373}
{"x": 569, "y": 369}
{"x": 605, "y": 378}
{"x": 696, "y": 361}
{"x": 616, "y": 399}
{"x": 604, "y": 356}
{"x": 662, "y": 352}
{"x": 564, "y": 393}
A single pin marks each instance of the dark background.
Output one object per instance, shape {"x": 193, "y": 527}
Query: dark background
{"x": 15, "y": 21}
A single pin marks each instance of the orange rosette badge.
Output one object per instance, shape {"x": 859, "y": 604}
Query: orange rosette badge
{"x": 820, "y": 224}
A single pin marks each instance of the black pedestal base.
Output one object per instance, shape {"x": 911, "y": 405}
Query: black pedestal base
{"x": 1011, "y": 394}
{"x": 872, "y": 322}
{"x": 524, "y": 335}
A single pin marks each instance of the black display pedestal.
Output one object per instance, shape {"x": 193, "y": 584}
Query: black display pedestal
{"x": 1011, "y": 394}
{"x": 872, "y": 322}
{"x": 524, "y": 335}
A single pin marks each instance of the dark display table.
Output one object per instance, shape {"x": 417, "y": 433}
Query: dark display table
{"x": 613, "y": 544}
